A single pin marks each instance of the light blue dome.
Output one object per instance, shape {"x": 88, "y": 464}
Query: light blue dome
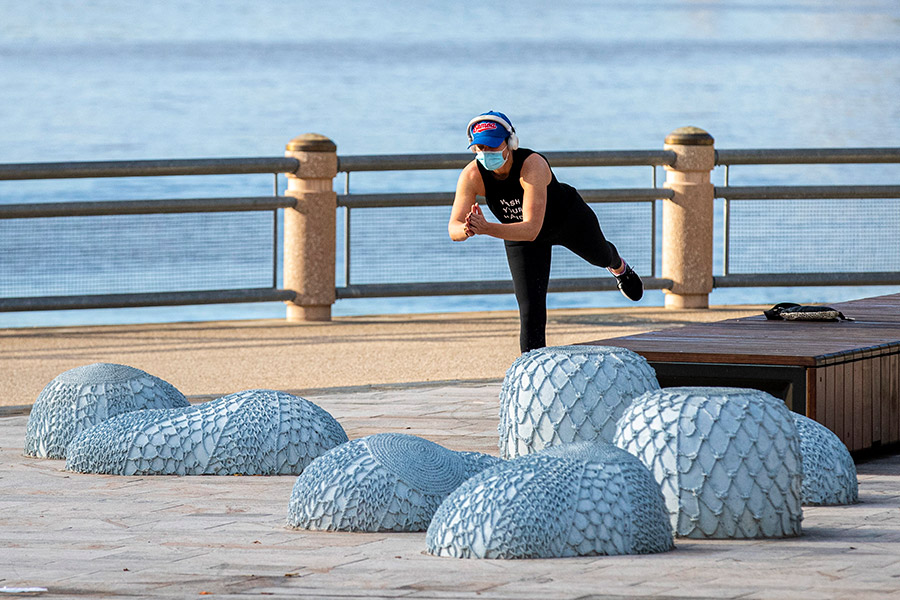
{"x": 84, "y": 396}
{"x": 580, "y": 499}
{"x": 565, "y": 394}
{"x": 727, "y": 459}
{"x": 255, "y": 432}
{"x": 383, "y": 482}
{"x": 829, "y": 474}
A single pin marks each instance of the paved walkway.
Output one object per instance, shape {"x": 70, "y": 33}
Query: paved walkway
{"x": 182, "y": 537}
{"x": 208, "y": 360}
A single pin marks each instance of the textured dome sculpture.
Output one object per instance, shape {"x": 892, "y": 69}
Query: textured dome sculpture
{"x": 383, "y": 482}
{"x": 829, "y": 474}
{"x": 582, "y": 499}
{"x": 255, "y": 432}
{"x": 596, "y": 451}
{"x": 84, "y": 396}
{"x": 566, "y": 394}
{"x": 727, "y": 459}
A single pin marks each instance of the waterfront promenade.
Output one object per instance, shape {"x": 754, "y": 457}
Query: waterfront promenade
{"x": 437, "y": 376}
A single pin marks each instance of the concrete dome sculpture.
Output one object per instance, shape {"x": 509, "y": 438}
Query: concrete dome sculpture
{"x": 84, "y": 396}
{"x": 566, "y": 394}
{"x": 596, "y": 451}
{"x": 727, "y": 459}
{"x": 582, "y": 499}
{"x": 383, "y": 482}
{"x": 829, "y": 474}
{"x": 255, "y": 432}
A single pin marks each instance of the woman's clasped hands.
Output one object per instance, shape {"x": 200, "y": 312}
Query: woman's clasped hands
{"x": 476, "y": 224}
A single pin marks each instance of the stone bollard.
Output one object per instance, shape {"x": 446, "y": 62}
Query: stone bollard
{"x": 309, "y": 229}
{"x": 688, "y": 219}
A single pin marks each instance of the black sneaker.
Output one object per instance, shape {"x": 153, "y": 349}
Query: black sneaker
{"x": 630, "y": 284}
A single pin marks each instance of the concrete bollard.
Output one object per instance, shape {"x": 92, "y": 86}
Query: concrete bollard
{"x": 688, "y": 219}
{"x": 309, "y": 229}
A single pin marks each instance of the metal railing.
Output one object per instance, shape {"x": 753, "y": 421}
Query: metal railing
{"x": 349, "y": 203}
{"x": 729, "y": 193}
{"x": 149, "y": 168}
{"x": 611, "y": 158}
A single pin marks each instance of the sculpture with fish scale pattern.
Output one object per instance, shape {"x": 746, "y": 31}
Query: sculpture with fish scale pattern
{"x": 84, "y": 396}
{"x": 383, "y": 482}
{"x": 587, "y": 498}
{"x": 727, "y": 459}
{"x": 566, "y": 394}
{"x": 255, "y": 432}
{"x": 829, "y": 474}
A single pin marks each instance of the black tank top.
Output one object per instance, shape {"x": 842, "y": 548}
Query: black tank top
{"x": 504, "y": 196}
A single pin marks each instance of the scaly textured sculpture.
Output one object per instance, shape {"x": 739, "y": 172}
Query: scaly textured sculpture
{"x": 566, "y": 394}
{"x": 588, "y": 498}
{"x": 727, "y": 459}
{"x": 255, "y": 432}
{"x": 383, "y": 482}
{"x": 84, "y": 396}
{"x": 829, "y": 474}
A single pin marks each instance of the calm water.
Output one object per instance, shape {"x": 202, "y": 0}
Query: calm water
{"x": 92, "y": 80}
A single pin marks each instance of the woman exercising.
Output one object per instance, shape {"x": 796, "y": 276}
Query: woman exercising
{"x": 535, "y": 212}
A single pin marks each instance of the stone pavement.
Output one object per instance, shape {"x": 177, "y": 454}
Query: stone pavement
{"x": 436, "y": 376}
{"x": 102, "y": 536}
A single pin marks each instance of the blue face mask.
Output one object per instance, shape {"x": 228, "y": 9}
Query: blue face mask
{"x": 491, "y": 160}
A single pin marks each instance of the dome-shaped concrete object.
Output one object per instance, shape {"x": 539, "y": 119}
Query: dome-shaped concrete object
{"x": 829, "y": 474}
{"x": 565, "y": 501}
{"x": 566, "y": 394}
{"x": 476, "y": 462}
{"x": 84, "y": 396}
{"x": 383, "y": 482}
{"x": 727, "y": 459}
{"x": 596, "y": 451}
{"x": 255, "y": 432}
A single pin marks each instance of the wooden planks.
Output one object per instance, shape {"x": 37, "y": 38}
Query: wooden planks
{"x": 756, "y": 340}
{"x": 894, "y": 401}
{"x": 845, "y": 406}
{"x": 859, "y": 401}
{"x": 763, "y": 342}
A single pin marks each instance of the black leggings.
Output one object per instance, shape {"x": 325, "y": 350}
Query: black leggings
{"x": 529, "y": 264}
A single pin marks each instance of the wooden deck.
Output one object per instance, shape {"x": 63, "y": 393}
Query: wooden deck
{"x": 845, "y": 375}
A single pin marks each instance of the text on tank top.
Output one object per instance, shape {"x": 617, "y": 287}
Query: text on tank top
{"x": 504, "y": 196}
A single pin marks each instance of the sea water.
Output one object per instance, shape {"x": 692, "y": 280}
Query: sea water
{"x": 107, "y": 80}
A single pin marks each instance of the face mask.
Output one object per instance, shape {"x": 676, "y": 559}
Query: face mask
{"x": 491, "y": 160}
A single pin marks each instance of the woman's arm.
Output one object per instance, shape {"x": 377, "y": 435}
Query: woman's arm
{"x": 468, "y": 187}
{"x": 535, "y": 178}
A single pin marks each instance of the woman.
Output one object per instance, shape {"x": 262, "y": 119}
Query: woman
{"x": 535, "y": 212}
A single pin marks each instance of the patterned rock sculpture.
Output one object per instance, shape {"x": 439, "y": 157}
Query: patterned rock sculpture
{"x": 255, "y": 432}
{"x": 829, "y": 474}
{"x": 588, "y": 498}
{"x": 383, "y": 482}
{"x": 566, "y": 394}
{"x": 727, "y": 459}
{"x": 596, "y": 451}
{"x": 84, "y": 396}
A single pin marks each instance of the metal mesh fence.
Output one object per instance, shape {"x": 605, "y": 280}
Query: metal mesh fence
{"x": 411, "y": 245}
{"x": 812, "y": 236}
{"x": 136, "y": 253}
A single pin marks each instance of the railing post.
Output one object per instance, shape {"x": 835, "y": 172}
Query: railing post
{"x": 309, "y": 229}
{"x": 687, "y": 247}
